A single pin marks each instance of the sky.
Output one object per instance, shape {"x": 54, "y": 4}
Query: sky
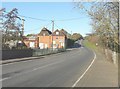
{"x": 64, "y": 14}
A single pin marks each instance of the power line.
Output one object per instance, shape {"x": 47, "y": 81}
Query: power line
{"x": 57, "y": 26}
{"x": 39, "y": 27}
{"x": 34, "y": 18}
{"x": 70, "y": 19}
{"x": 69, "y": 31}
{"x": 31, "y": 17}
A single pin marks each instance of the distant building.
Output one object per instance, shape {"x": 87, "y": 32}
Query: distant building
{"x": 47, "y": 39}
{"x": 59, "y": 39}
{"x": 31, "y": 41}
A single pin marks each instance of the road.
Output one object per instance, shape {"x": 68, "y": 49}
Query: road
{"x": 57, "y": 70}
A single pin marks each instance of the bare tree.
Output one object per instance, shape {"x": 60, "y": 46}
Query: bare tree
{"x": 11, "y": 26}
{"x": 104, "y": 20}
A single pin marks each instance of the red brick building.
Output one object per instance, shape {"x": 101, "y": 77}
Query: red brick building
{"x": 59, "y": 39}
{"x": 31, "y": 41}
{"x": 47, "y": 39}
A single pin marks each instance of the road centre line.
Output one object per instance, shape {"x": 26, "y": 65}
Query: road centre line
{"x": 5, "y": 78}
{"x": 32, "y": 70}
{"x": 40, "y": 67}
{"x": 47, "y": 65}
{"x": 14, "y": 62}
{"x": 85, "y": 71}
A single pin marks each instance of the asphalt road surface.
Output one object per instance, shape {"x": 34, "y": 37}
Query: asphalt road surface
{"x": 57, "y": 70}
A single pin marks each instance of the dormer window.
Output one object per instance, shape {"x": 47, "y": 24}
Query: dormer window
{"x": 57, "y": 33}
{"x": 43, "y": 34}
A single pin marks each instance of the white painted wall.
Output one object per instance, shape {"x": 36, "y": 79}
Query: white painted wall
{"x": 32, "y": 44}
{"x": 41, "y": 45}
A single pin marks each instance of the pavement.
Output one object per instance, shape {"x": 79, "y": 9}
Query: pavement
{"x": 19, "y": 59}
{"x": 62, "y": 70}
{"x": 27, "y": 58}
{"x": 101, "y": 74}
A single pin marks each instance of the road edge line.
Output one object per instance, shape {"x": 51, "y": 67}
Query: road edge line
{"x": 85, "y": 71}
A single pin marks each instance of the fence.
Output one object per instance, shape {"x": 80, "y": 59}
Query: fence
{"x": 111, "y": 56}
{"x": 39, "y": 52}
{"x": 16, "y": 53}
{"x": 21, "y": 53}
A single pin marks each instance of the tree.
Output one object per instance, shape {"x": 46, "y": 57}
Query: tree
{"x": 70, "y": 42}
{"x": 11, "y": 26}
{"x": 76, "y": 36}
{"x": 104, "y": 21}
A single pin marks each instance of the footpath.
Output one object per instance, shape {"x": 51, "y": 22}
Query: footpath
{"x": 19, "y": 59}
{"x": 101, "y": 74}
{"x": 28, "y": 58}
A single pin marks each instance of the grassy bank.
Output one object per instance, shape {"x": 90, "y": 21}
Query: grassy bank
{"x": 89, "y": 44}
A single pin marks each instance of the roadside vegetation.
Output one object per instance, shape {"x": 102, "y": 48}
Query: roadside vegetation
{"x": 105, "y": 26}
{"x": 89, "y": 44}
{"x": 73, "y": 38}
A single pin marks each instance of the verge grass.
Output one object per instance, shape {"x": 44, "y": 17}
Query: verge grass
{"x": 89, "y": 44}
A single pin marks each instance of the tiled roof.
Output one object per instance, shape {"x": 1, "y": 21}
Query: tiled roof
{"x": 65, "y": 32}
{"x": 45, "y": 32}
{"x": 60, "y": 33}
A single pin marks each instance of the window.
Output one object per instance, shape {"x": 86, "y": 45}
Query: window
{"x": 43, "y": 34}
{"x": 57, "y": 33}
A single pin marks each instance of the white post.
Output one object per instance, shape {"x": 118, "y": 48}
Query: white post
{"x": 114, "y": 57}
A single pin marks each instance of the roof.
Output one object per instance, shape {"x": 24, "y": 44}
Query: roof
{"x": 32, "y": 37}
{"x": 58, "y": 33}
{"x": 65, "y": 32}
{"x": 45, "y": 32}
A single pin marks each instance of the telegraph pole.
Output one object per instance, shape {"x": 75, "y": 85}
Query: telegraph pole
{"x": 22, "y": 27}
{"x": 52, "y": 32}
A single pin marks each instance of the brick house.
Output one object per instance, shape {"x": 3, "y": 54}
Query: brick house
{"x": 59, "y": 39}
{"x": 46, "y": 38}
{"x": 31, "y": 41}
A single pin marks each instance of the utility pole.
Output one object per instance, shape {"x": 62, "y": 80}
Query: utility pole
{"x": 71, "y": 34}
{"x": 52, "y": 32}
{"x": 23, "y": 27}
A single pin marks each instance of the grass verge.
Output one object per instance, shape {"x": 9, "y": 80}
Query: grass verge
{"x": 89, "y": 44}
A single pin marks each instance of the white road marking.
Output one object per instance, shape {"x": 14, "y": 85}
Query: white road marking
{"x": 32, "y": 70}
{"x": 8, "y": 63}
{"x": 82, "y": 47}
{"x": 5, "y": 78}
{"x": 85, "y": 71}
{"x": 17, "y": 62}
{"x": 40, "y": 67}
{"x": 47, "y": 65}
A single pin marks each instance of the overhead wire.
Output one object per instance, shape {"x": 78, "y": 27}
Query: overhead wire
{"x": 70, "y": 19}
{"x": 40, "y": 27}
{"x": 57, "y": 26}
{"x": 31, "y": 17}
